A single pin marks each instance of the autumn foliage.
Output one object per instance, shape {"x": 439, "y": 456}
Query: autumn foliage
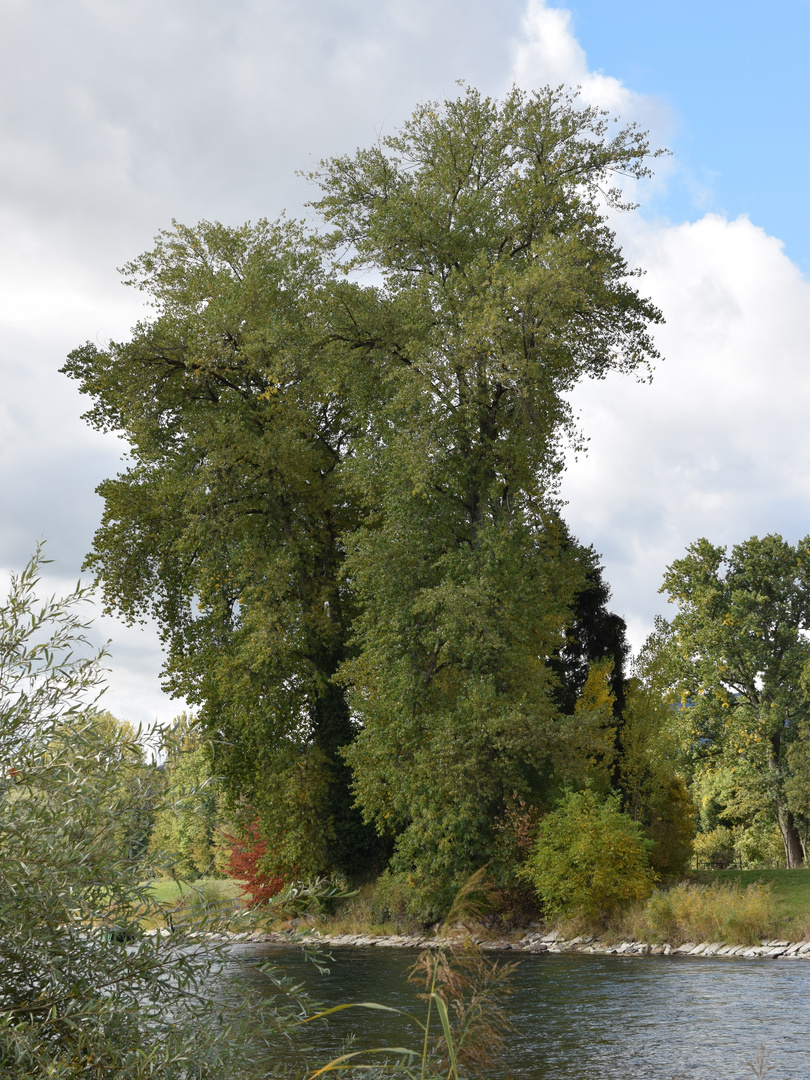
{"x": 245, "y": 862}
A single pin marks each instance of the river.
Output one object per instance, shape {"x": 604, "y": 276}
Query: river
{"x": 584, "y": 1017}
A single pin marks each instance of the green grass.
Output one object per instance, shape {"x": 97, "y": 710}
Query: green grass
{"x": 170, "y": 893}
{"x": 790, "y": 889}
{"x": 190, "y": 898}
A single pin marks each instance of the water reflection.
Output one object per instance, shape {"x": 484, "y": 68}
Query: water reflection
{"x": 585, "y": 1017}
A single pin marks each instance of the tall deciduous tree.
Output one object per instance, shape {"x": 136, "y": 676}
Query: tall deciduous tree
{"x": 227, "y": 525}
{"x": 502, "y": 287}
{"x": 341, "y": 506}
{"x": 738, "y": 648}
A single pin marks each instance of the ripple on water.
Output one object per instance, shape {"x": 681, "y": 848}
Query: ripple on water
{"x": 589, "y": 1017}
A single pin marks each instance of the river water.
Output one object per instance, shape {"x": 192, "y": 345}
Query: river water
{"x": 583, "y": 1017}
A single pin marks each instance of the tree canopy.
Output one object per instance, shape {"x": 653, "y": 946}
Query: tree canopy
{"x": 739, "y": 657}
{"x": 340, "y": 504}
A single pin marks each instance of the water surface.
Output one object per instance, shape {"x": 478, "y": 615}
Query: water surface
{"x": 584, "y": 1017}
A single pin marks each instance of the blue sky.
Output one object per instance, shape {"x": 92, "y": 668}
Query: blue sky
{"x": 117, "y": 117}
{"x": 737, "y": 76}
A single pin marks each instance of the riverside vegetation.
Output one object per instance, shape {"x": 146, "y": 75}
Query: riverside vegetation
{"x": 341, "y": 506}
{"x": 87, "y": 991}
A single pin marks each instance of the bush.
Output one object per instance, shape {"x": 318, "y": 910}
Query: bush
{"x": 716, "y": 912}
{"x": 589, "y": 858}
{"x": 670, "y": 825}
{"x": 391, "y": 900}
{"x": 83, "y": 992}
{"x": 714, "y": 850}
{"x": 245, "y": 865}
{"x": 760, "y": 846}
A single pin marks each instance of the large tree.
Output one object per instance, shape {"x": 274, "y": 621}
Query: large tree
{"x": 738, "y": 648}
{"x": 341, "y": 502}
{"x": 502, "y": 286}
{"x": 227, "y": 526}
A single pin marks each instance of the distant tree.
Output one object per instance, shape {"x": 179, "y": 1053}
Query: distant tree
{"x": 184, "y": 837}
{"x": 738, "y": 648}
{"x": 593, "y": 634}
{"x": 142, "y": 780}
{"x": 650, "y": 773}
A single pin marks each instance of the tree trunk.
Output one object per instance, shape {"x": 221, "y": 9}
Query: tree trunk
{"x": 794, "y": 855}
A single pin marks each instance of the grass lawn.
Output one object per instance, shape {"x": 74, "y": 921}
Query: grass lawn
{"x": 169, "y": 893}
{"x": 789, "y": 888}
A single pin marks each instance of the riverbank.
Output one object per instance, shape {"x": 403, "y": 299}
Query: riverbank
{"x": 534, "y": 942}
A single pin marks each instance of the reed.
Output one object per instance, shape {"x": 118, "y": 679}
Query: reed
{"x": 466, "y": 1024}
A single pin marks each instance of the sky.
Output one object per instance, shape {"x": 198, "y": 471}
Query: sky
{"x": 117, "y": 117}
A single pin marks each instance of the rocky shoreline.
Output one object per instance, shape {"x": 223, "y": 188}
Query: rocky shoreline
{"x": 541, "y": 942}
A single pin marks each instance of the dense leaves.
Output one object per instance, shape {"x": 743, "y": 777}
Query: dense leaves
{"x": 83, "y": 993}
{"x": 227, "y": 526}
{"x": 738, "y": 653}
{"x": 340, "y": 505}
{"x": 589, "y": 858}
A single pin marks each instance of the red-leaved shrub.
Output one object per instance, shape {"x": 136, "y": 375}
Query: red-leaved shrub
{"x": 243, "y": 865}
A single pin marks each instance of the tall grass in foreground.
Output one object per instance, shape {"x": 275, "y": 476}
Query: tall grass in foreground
{"x": 466, "y": 1023}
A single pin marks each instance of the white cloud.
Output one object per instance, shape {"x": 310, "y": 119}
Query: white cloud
{"x": 114, "y": 118}
{"x": 548, "y": 53}
{"x": 717, "y": 445}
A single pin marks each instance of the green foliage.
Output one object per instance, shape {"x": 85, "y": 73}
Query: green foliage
{"x": 589, "y": 859}
{"x": 341, "y": 505}
{"x": 670, "y": 825}
{"x": 736, "y": 653}
{"x": 392, "y": 899}
{"x": 797, "y": 779}
{"x": 593, "y": 635}
{"x": 227, "y": 524}
{"x": 502, "y": 288}
{"x": 715, "y": 849}
{"x": 185, "y": 831}
{"x": 653, "y": 790}
{"x": 758, "y": 845}
{"x": 139, "y": 784}
{"x": 83, "y": 994}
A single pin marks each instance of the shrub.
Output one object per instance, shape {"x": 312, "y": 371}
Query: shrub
{"x": 760, "y": 846}
{"x": 83, "y": 993}
{"x": 245, "y": 864}
{"x": 670, "y": 825}
{"x": 589, "y": 859}
{"x": 513, "y": 897}
{"x": 714, "y": 850}
{"x": 391, "y": 900}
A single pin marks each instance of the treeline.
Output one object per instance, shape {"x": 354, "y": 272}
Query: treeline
{"x": 341, "y": 507}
